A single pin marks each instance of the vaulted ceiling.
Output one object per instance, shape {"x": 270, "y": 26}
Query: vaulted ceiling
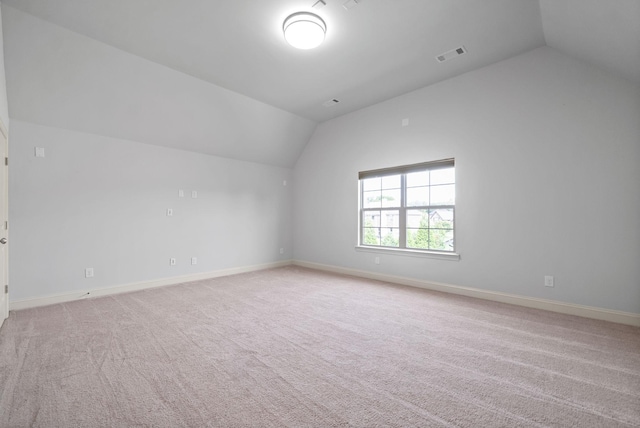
{"x": 373, "y": 51}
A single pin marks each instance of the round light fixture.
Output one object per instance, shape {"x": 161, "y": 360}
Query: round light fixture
{"x": 304, "y": 30}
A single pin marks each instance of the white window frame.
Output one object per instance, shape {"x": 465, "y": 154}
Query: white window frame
{"x": 402, "y": 210}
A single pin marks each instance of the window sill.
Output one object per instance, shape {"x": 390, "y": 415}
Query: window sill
{"x": 412, "y": 253}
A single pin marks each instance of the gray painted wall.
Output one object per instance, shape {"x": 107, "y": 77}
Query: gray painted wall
{"x": 548, "y": 164}
{"x": 101, "y": 202}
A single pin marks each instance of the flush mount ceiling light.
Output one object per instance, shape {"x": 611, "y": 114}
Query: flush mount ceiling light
{"x": 304, "y": 30}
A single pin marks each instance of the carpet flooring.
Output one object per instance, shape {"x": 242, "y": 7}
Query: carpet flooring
{"x": 293, "y": 347}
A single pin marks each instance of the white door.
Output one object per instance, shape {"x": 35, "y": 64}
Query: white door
{"x": 4, "y": 202}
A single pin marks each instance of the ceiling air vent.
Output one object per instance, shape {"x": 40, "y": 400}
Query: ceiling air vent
{"x": 330, "y": 103}
{"x": 453, "y": 53}
{"x": 350, "y": 4}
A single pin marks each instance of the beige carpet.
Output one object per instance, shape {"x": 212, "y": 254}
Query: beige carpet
{"x": 293, "y": 347}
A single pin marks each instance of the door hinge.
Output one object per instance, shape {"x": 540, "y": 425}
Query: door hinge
{"x": 6, "y": 225}
{"x": 6, "y": 161}
{"x": 6, "y": 289}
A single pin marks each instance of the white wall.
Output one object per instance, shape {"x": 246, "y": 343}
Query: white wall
{"x": 548, "y": 164}
{"x": 4, "y": 108}
{"x": 62, "y": 79}
{"x": 101, "y": 202}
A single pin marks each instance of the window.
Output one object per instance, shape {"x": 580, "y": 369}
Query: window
{"x": 409, "y": 207}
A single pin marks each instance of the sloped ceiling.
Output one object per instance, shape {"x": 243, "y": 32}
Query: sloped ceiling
{"x": 372, "y": 52}
{"x": 231, "y": 56}
{"x": 603, "y": 33}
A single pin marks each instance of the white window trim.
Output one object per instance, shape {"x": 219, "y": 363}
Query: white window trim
{"x": 413, "y": 253}
{"x": 440, "y": 255}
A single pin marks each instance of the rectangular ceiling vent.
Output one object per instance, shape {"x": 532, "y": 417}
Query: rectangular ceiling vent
{"x": 453, "y": 53}
{"x": 330, "y": 103}
{"x": 350, "y": 4}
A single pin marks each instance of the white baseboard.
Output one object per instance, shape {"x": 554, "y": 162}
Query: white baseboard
{"x": 529, "y": 302}
{"x": 77, "y": 295}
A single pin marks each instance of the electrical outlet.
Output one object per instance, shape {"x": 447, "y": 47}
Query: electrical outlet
{"x": 194, "y": 194}
{"x": 172, "y": 261}
{"x": 194, "y": 260}
{"x": 281, "y": 250}
{"x": 181, "y": 193}
{"x": 377, "y": 260}
{"x": 548, "y": 281}
{"x": 169, "y": 212}
{"x": 88, "y": 273}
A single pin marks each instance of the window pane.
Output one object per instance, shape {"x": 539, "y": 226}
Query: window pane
{"x": 443, "y": 195}
{"x": 443, "y": 176}
{"x": 371, "y": 184}
{"x": 442, "y": 219}
{"x": 371, "y": 219}
{"x": 371, "y": 199}
{"x": 418, "y": 238}
{"x": 391, "y": 182}
{"x": 415, "y": 179}
{"x": 417, "y": 218}
{"x": 390, "y": 237}
{"x": 390, "y": 219}
{"x": 390, "y": 198}
{"x": 417, "y": 196}
{"x": 440, "y": 240}
{"x": 371, "y": 236}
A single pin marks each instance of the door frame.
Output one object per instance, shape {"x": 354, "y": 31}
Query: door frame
{"x": 4, "y": 281}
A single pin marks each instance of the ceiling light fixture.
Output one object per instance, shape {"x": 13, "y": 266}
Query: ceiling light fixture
{"x": 304, "y": 30}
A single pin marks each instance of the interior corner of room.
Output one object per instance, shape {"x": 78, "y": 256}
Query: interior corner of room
{"x": 198, "y": 147}
{"x": 105, "y": 141}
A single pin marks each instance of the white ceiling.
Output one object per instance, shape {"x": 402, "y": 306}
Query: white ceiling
{"x": 375, "y": 51}
{"x": 604, "y": 33}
